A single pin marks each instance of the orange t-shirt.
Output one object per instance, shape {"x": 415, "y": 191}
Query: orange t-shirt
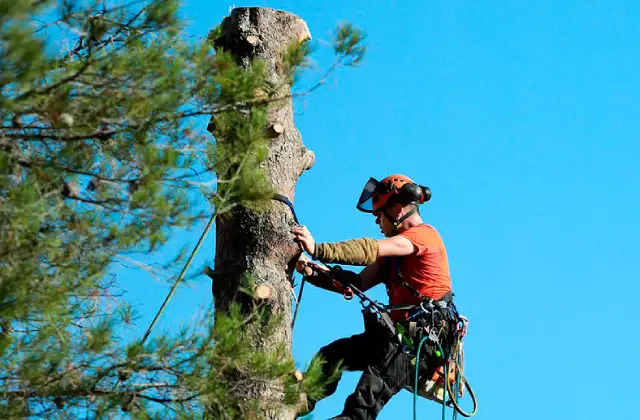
{"x": 427, "y": 270}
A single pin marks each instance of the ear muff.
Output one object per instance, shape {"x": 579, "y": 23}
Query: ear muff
{"x": 414, "y": 193}
{"x": 426, "y": 193}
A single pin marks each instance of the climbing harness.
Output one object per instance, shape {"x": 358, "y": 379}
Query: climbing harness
{"x": 451, "y": 373}
{"x": 277, "y": 197}
{"x": 436, "y": 387}
{"x": 368, "y": 304}
{"x": 423, "y": 328}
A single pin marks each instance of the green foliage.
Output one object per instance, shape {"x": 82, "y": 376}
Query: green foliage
{"x": 348, "y": 44}
{"x": 102, "y": 156}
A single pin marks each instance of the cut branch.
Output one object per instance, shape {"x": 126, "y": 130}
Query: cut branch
{"x": 264, "y": 292}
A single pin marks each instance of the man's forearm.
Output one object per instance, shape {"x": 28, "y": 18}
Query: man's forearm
{"x": 335, "y": 281}
{"x": 323, "y": 281}
{"x": 363, "y": 251}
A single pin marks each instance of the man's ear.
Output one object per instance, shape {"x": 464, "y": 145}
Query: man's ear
{"x": 398, "y": 209}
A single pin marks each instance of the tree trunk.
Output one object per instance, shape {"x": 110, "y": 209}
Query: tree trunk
{"x": 260, "y": 244}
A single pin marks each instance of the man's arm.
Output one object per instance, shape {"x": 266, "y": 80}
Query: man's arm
{"x": 397, "y": 246}
{"x": 371, "y": 276}
{"x": 362, "y": 251}
{"x": 323, "y": 281}
{"x": 320, "y": 276}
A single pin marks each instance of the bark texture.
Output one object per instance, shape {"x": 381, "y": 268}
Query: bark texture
{"x": 260, "y": 244}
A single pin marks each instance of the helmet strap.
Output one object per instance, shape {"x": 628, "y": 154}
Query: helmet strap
{"x": 401, "y": 219}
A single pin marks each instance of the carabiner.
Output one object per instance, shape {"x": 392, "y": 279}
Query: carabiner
{"x": 425, "y": 310}
{"x": 347, "y": 293}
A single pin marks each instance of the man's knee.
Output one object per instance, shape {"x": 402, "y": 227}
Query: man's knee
{"x": 326, "y": 360}
{"x": 327, "y": 364}
{"x": 331, "y": 360}
{"x": 342, "y": 354}
{"x": 368, "y": 399}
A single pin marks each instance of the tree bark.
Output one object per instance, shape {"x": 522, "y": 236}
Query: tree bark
{"x": 260, "y": 244}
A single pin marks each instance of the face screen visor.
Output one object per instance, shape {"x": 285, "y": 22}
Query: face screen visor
{"x": 367, "y": 198}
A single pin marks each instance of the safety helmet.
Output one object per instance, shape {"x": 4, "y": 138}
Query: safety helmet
{"x": 376, "y": 194}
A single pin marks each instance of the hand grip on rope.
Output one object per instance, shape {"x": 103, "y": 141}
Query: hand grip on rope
{"x": 302, "y": 267}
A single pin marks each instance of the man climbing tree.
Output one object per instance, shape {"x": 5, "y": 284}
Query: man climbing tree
{"x": 412, "y": 263}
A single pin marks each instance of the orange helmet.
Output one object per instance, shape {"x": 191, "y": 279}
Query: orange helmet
{"x": 376, "y": 194}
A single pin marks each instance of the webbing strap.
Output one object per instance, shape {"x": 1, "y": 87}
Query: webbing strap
{"x": 388, "y": 322}
{"x": 403, "y": 218}
{"x": 283, "y": 199}
{"x": 448, "y": 297}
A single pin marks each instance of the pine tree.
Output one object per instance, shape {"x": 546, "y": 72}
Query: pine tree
{"x": 102, "y": 154}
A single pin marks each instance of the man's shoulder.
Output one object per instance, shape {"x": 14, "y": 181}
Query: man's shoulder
{"x": 423, "y": 234}
{"x": 424, "y": 229}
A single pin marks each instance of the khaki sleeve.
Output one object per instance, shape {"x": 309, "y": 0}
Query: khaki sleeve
{"x": 363, "y": 251}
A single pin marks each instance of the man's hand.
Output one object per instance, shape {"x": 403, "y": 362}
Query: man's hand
{"x": 310, "y": 268}
{"x": 316, "y": 274}
{"x": 304, "y": 238}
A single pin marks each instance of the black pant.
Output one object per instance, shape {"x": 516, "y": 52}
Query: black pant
{"x": 386, "y": 370}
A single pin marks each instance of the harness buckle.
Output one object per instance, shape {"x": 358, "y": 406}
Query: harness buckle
{"x": 429, "y": 305}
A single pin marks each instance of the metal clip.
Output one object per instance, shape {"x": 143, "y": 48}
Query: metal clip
{"x": 429, "y": 307}
{"x": 433, "y": 336}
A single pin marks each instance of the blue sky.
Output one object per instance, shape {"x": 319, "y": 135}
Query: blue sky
{"x": 522, "y": 117}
